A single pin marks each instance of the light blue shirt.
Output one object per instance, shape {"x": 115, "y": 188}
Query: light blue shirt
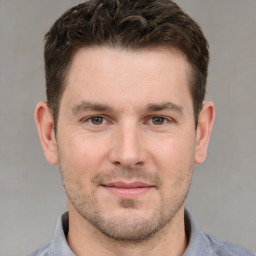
{"x": 200, "y": 244}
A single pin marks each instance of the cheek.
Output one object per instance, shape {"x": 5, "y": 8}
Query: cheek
{"x": 174, "y": 162}
{"x": 173, "y": 154}
{"x": 81, "y": 153}
{"x": 174, "y": 159}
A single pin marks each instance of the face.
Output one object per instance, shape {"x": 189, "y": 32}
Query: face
{"x": 126, "y": 141}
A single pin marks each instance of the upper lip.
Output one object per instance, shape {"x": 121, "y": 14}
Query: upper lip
{"x": 121, "y": 184}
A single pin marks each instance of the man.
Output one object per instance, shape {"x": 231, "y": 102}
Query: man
{"x": 125, "y": 119}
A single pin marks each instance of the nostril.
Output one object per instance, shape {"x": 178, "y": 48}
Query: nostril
{"x": 127, "y": 165}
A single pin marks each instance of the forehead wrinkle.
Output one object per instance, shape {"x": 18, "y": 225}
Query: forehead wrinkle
{"x": 126, "y": 73}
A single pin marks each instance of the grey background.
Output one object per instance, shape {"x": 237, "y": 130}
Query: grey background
{"x": 222, "y": 196}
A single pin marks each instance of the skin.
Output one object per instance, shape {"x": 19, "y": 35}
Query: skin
{"x": 126, "y": 145}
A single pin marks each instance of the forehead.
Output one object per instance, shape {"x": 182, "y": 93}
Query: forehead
{"x": 155, "y": 73}
{"x": 118, "y": 60}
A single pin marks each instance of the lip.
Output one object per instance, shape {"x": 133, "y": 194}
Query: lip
{"x": 128, "y": 190}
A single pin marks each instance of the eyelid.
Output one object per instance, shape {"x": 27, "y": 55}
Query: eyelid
{"x": 166, "y": 119}
{"x": 88, "y": 119}
{"x": 107, "y": 119}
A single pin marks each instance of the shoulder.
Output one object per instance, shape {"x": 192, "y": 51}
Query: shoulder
{"x": 221, "y": 248}
{"x": 43, "y": 251}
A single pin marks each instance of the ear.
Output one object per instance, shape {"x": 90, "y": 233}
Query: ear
{"x": 205, "y": 123}
{"x": 45, "y": 127}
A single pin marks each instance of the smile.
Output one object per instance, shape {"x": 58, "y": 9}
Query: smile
{"x": 128, "y": 190}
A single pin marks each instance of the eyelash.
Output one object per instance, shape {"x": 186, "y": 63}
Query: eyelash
{"x": 164, "y": 119}
{"x": 90, "y": 118}
{"x": 105, "y": 120}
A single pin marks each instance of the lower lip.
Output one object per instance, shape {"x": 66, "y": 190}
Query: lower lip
{"x": 128, "y": 193}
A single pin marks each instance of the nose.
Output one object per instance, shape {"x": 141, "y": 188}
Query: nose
{"x": 128, "y": 148}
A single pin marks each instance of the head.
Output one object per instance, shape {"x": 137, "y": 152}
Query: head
{"x": 124, "y": 24}
{"x": 125, "y": 89}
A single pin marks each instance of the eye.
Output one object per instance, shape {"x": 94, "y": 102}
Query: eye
{"x": 158, "y": 120}
{"x": 97, "y": 120}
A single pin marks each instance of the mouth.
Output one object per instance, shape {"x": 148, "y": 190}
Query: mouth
{"x": 126, "y": 190}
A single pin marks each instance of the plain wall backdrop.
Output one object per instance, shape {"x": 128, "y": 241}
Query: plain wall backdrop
{"x": 222, "y": 196}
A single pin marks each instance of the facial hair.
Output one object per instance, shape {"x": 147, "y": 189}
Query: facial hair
{"x": 133, "y": 228}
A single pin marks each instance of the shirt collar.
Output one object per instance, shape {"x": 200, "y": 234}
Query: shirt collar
{"x": 60, "y": 246}
{"x": 198, "y": 244}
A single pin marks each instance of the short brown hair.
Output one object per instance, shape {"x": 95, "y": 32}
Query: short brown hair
{"x": 131, "y": 24}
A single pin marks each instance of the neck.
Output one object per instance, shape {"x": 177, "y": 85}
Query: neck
{"x": 85, "y": 239}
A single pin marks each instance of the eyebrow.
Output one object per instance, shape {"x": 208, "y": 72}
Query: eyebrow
{"x": 85, "y": 106}
{"x": 89, "y": 106}
{"x": 165, "y": 106}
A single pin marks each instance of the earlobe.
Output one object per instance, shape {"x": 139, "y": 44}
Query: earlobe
{"x": 45, "y": 127}
{"x": 205, "y": 123}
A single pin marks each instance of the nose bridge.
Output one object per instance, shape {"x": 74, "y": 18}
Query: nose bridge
{"x": 128, "y": 149}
